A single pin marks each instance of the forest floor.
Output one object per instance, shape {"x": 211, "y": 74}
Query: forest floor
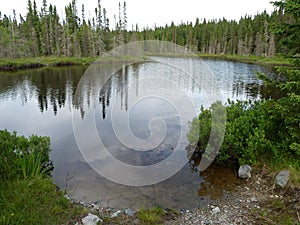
{"x": 255, "y": 201}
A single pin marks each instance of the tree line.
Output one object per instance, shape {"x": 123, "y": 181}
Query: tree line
{"x": 43, "y": 33}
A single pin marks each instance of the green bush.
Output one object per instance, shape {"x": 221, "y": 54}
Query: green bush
{"x": 254, "y": 130}
{"x": 22, "y": 157}
{"x": 27, "y": 194}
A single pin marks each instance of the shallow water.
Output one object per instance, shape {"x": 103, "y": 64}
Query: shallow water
{"x": 44, "y": 102}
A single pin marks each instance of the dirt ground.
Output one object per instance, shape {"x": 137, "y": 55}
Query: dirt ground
{"x": 256, "y": 201}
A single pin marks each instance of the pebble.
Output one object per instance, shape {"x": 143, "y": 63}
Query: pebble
{"x": 67, "y": 197}
{"x": 115, "y": 214}
{"x": 216, "y": 210}
{"x": 129, "y": 212}
{"x": 253, "y": 199}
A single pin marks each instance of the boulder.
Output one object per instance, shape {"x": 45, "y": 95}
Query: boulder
{"x": 282, "y": 178}
{"x": 244, "y": 172}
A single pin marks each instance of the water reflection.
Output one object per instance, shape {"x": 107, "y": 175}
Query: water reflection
{"x": 50, "y": 87}
{"x": 41, "y": 102}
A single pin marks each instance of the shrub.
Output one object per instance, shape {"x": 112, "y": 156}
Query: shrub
{"x": 23, "y": 157}
{"x": 254, "y": 130}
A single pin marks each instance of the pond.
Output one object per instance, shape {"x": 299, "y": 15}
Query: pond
{"x": 59, "y": 102}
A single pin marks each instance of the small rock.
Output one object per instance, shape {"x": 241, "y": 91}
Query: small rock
{"x": 116, "y": 214}
{"x": 282, "y": 178}
{"x": 253, "y": 199}
{"x": 129, "y": 212}
{"x": 91, "y": 219}
{"x": 244, "y": 172}
{"x": 67, "y": 197}
{"x": 216, "y": 210}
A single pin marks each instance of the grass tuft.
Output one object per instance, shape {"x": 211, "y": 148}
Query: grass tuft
{"x": 151, "y": 216}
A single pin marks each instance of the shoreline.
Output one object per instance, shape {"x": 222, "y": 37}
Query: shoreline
{"x": 255, "y": 200}
{"x": 13, "y": 65}
{"x": 250, "y": 59}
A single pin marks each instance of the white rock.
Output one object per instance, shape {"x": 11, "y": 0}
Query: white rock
{"x": 129, "y": 212}
{"x": 67, "y": 197}
{"x": 282, "y": 178}
{"x": 244, "y": 172}
{"x": 253, "y": 199}
{"x": 91, "y": 219}
{"x": 216, "y": 210}
{"x": 116, "y": 214}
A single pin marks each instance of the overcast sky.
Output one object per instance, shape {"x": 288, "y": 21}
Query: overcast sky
{"x": 159, "y": 12}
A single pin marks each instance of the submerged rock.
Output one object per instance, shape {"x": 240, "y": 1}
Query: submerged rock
{"x": 282, "y": 178}
{"x": 244, "y": 172}
{"x": 91, "y": 219}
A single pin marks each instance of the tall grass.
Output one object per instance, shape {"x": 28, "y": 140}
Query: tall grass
{"x": 22, "y": 157}
{"x": 27, "y": 194}
{"x": 32, "y": 165}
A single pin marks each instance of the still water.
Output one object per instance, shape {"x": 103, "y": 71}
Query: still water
{"x": 45, "y": 102}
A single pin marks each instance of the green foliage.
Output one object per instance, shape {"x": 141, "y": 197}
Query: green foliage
{"x": 22, "y": 157}
{"x": 151, "y": 216}
{"x": 243, "y": 140}
{"x": 44, "y": 33}
{"x": 31, "y": 165}
{"x": 27, "y": 194}
{"x": 254, "y": 130}
{"x": 287, "y": 28}
{"x": 270, "y": 129}
{"x": 34, "y": 201}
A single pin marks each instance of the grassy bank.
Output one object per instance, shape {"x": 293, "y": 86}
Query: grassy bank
{"x": 32, "y": 63}
{"x": 35, "y": 200}
{"x": 42, "y": 62}
{"x": 27, "y": 194}
{"x": 264, "y": 61}
{"x": 39, "y": 62}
